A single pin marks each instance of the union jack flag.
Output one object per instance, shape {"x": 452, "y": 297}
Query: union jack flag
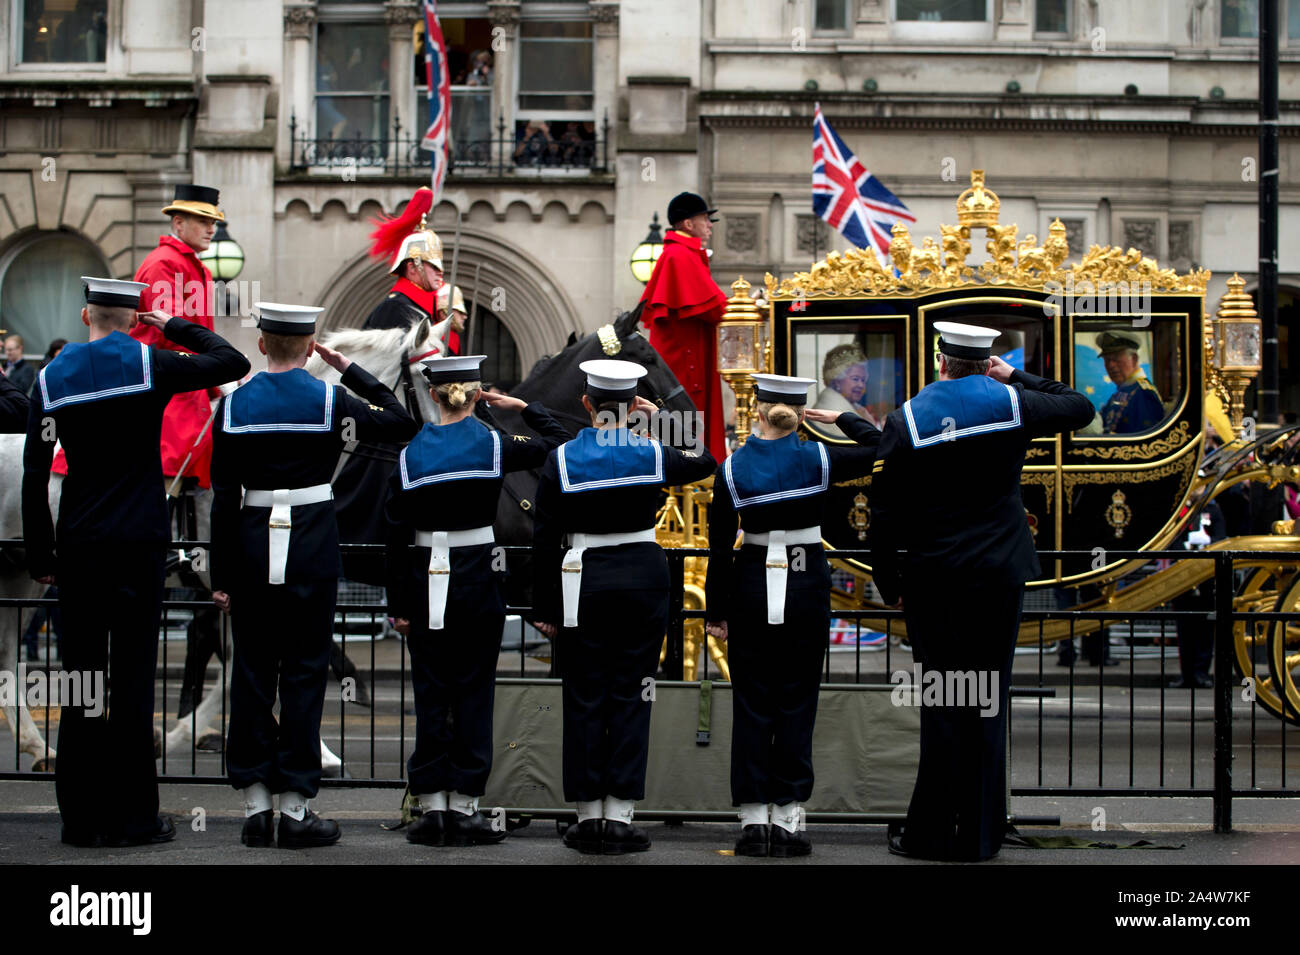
{"x": 439, "y": 79}
{"x": 848, "y": 197}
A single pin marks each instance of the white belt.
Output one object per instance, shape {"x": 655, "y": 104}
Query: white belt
{"x": 440, "y": 544}
{"x": 280, "y": 524}
{"x": 571, "y": 569}
{"x": 778, "y": 566}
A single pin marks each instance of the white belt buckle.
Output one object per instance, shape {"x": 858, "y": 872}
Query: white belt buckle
{"x": 571, "y": 580}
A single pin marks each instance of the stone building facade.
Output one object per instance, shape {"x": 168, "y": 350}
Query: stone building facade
{"x": 1133, "y": 123}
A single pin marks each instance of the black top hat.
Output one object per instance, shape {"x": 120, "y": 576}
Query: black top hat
{"x": 196, "y": 200}
{"x": 687, "y": 204}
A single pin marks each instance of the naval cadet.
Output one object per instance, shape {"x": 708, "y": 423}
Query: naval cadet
{"x": 771, "y": 602}
{"x": 946, "y": 489}
{"x": 1135, "y": 406}
{"x": 275, "y": 561}
{"x": 609, "y": 594}
{"x": 104, "y": 402}
{"x": 445, "y": 595}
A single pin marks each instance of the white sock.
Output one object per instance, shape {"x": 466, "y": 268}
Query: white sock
{"x": 293, "y": 805}
{"x": 593, "y": 809}
{"x": 753, "y": 814}
{"x": 619, "y": 810}
{"x": 787, "y": 816}
{"x": 433, "y": 802}
{"x": 257, "y": 798}
{"x": 465, "y": 805}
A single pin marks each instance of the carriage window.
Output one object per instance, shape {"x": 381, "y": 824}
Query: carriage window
{"x": 858, "y": 367}
{"x": 1132, "y": 375}
{"x": 1021, "y": 343}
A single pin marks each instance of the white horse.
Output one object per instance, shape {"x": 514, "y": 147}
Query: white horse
{"x": 382, "y": 352}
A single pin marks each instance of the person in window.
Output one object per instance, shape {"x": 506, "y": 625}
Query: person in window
{"x": 1135, "y": 406}
{"x": 844, "y": 372}
{"x": 535, "y": 146}
{"x": 480, "y": 69}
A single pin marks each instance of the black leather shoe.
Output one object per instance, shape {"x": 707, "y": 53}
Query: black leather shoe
{"x": 163, "y": 831}
{"x": 586, "y": 836}
{"x": 895, "y": 838}
{"x": 787, "y": 845}
{"x": 81, "y": 838}
{"x": 311, "y": 832}
{"x": 427, "y": 829}
{"x": 753, "y": 841}
{"x": 259, "y": 829}
{"x": 472, "y": 830}
{"x": 621, "y": 837}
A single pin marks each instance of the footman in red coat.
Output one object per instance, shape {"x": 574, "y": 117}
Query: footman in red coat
{"x": 682, "y": 306}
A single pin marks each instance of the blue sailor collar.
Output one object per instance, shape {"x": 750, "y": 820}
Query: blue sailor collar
{"x": 289, "y": 401}
{"x": 762, "y": 472}
{"x": 450, "y": 452}
{"x": 961, "y": 408}
{"x": 108, "y": 367}
{"x": 615, "y": 457}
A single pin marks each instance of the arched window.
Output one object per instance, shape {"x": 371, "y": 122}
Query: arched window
{"x": 41, "y": 294}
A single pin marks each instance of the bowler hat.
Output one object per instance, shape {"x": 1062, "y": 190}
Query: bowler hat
{"x": 687, "y": 204}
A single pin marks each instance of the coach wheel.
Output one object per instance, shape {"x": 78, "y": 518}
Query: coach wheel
{"x": 1252, "y": 642}
{"x": 1284, "y": 650}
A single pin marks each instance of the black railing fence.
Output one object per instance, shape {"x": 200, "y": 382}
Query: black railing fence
{"x": 582, "y": 149}
{"x": 1076, "y": 728}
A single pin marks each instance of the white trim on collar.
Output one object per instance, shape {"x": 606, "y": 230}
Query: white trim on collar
{"x": 1008, "y": 425}
{"x": 657, "y": 476}
{"x": 83, "y": 397}
{"x": 287, "y": 426}
{"x": 780, "y": 495}
{"x": 495, "y": 471}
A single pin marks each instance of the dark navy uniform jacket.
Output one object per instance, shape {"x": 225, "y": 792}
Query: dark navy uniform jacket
{"x": 1135, "y": 406}
{"x": 777, "y": 485}
{"x": 605, "y": 483}
{"x": 13, "y": 408}
{"x": 106, "y": 399}
{"x": 947, "y": 482}
{"x": 395, "y": 311}
{"x": 286, "y": 430}
{"x": 449, "y": 479}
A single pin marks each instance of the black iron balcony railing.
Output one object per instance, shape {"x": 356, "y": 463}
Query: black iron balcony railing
{"x": 532, "y": 151}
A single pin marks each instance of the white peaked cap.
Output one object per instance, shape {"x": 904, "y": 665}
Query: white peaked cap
{"x": 286, "y": 319}
{"x": 782, "y": 388}
{"x": 453, "y": 368}
{"x": 965, "y": 341}
{"x": 114, "y": 292}
{"x": 611, "y": 377}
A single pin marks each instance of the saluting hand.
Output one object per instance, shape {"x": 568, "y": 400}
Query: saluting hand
{"x": 821, "y": 416}
{"x": 499, "y": 399}
{"x": 155, "y": 319}
{"x": 999, "y": 370}
{"x": 336, "y": 360}
{"x": 645, "y": 406}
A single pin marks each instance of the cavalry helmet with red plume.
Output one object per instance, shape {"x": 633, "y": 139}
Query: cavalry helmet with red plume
{"x": 408, "y": 236}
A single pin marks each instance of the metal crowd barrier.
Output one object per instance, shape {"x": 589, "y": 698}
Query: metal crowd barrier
{"x": 1075, "y": 730}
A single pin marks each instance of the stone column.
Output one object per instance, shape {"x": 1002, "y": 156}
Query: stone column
{"x": 401, "y": 18}
{"x": 1013, "y": 20}
{"x": 505, "y": 39}
{"x": 605, "y": 73}
{"x": 298, "y": 80}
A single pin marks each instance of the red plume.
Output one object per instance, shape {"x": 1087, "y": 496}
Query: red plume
{"x": 391, "y": 230}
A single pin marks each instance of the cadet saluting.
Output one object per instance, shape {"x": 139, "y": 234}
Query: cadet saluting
{"x": 443, "y": 498}
{"x": 603, "y": 490}
{"x": 771, "y": 602}
{"x": 106, "y": 400}
{"x": 275, "y": 561}
{"x": 947, "y": 490}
